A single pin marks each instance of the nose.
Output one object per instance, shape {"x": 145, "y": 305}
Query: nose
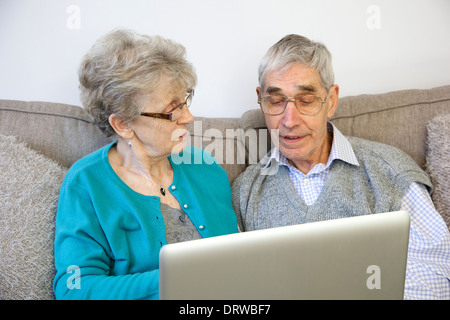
{"x": 290, "y": 114}
{"x": 186, "y": 116}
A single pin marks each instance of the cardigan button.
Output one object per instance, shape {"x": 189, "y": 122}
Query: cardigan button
{"x": 185, "y": 206}
{"x": 201, "y": 227}
{"x": 173, "y": 187}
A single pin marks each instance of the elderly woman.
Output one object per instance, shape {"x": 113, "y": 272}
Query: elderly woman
{"x": 119, "y": 205}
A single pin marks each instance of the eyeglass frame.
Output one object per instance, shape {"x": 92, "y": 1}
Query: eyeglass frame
{"x": 169, "y": 116}
{"x": 293, "y": 99}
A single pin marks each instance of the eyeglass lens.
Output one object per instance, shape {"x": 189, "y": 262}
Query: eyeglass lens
{"x": 178, "y": 111}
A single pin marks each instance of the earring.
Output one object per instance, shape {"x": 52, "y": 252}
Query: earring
{"x": 129, "y": 144}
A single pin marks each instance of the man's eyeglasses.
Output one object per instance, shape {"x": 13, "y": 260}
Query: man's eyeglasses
{"x": 175, "y": 113}
{"x": 307, "y": 104}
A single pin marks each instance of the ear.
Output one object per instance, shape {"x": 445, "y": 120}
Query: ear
{"x": 266, "y": 117}
{"x": 258, "y": 92}
{"x": 120, "y": 127}
{"x": 333, "y": 98}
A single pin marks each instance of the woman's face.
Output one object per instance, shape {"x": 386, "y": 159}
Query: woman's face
{"x": 160, "y": 137}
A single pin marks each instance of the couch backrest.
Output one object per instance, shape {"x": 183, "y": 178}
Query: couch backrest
{"x": 61, "y": 132}
{"x": 65, "y": 133}
{"x": 223, "y": 138}
{"x": 396, "y": 118}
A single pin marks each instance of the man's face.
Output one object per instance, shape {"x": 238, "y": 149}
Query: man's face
{"x": 303, "y": 139}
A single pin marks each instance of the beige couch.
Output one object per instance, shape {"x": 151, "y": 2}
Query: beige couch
{"x": 40, "y": 140}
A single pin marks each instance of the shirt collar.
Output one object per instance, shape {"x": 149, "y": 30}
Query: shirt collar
{"x": 341, "y": 149}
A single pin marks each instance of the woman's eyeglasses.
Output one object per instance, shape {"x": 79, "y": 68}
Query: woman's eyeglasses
{"x": 176, "y": 112}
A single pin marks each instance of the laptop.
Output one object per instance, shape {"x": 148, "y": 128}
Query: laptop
{"x": 362, "y": 257}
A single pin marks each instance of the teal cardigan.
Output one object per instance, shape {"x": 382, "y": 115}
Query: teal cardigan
{"x": 108, "y": 237}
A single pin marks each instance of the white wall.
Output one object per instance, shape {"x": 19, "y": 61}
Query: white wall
{"x": 377, "y": 46}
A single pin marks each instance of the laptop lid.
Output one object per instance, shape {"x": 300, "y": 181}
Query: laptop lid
{"x": 361, "y": 257}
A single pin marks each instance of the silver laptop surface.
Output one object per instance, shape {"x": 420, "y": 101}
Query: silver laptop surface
{"x": 361, "y": 257}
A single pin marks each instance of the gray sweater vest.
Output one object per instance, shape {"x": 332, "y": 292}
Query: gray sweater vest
{"x": 377, "y": 185}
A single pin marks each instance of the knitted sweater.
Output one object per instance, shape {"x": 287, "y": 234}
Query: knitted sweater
{"x": 112, "y": 235}
{"x": 376, "y": 185}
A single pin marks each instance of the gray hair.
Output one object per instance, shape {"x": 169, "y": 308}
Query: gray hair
{"x": 297, "y": 49}
{"x": 122, "y": 66}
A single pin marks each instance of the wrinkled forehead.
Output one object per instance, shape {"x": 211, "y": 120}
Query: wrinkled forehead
{"x": 295, "y": 79}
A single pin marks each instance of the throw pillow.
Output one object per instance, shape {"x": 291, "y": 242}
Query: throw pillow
{"x": 29, "y": 189}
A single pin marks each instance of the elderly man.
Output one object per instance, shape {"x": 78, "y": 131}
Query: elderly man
{"x": 315, "y": 173}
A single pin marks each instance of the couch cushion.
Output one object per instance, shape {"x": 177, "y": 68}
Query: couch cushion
{"x": 222, "y": 138}
{"x": 61, "y": 132}
{"x": 29, "y": 188}
{"x": 438, "y": 163}
{"x": 396, "y": 118}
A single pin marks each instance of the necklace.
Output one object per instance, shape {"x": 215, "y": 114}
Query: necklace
{"x": 163, "y": 191}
